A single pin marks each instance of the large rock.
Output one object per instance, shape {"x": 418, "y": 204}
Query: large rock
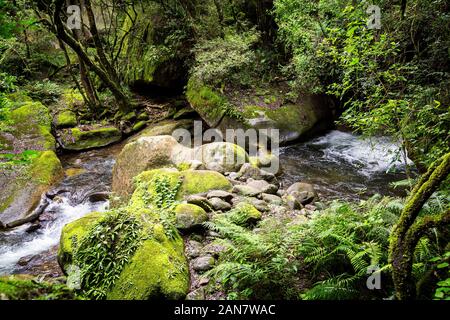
{"x": 157, "y": 269}
{"x": 259, "y": 109}
{"x": 88, "y": 138}
{"x": 221, "y": 156}
{"x": 192, "y": 182}
{"x": 303, "y": 193}
{"x": 189, "y": 217}
{"x": 147, "y": 153}
{"x": 65, "y": 119}
{"x": 21, "y": 188}
{"x": 72, "y": 234}
{"x": 30, "y": 129}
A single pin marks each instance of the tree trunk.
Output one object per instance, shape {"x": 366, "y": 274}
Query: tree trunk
{"x": 410, "y": 229}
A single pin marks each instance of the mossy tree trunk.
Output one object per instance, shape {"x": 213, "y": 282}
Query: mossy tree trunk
{"x": 411, "y": 228}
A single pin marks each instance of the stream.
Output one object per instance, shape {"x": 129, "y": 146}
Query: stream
{"x": 339, "y": 164}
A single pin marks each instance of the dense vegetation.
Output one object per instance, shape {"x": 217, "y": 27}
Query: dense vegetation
{"x": 393, "y": 80}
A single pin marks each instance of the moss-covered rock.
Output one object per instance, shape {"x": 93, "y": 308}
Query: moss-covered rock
{"x": 83, "y": 139}
{"x": 209, "y": 104}
{"x": 72, "y": 234}
{"x": 189, "y": 217}
{"x": 192, "y": 182}
{"x": 245, "y": 214}
{"x": 26, "y": 287}
{"x": 30, "y": 129}
{"x": 259, "y": 109}
{"x": 147, "y": 153}
{"x": 157, "y": 270}
{"x": 21, "y": 188}
{"x": 65, "y": 119}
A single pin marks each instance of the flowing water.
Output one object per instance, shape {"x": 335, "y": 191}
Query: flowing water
{"x": 84, "y": 189}
{"x": 339, "y": 164}
{"x": 344, "y": 166}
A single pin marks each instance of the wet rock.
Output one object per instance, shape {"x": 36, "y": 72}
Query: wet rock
{"x": 219, "y": 205}
{"x": 310, "y": 207}
{"x": 246, "y": 191}
{"x": 204, "y": 263}
{"x": 221, "y": 156}
{"x": 272, "y": 199}
{"x": 224, "y": 195}
{"x": 35, "y": 226}
{"x": 87, "y": 138}
{"x": 203, "y": 281}
{"x": 213, "y": 249}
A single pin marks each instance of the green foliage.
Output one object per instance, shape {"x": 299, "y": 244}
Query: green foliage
{"x": 105, "y": 250}
{"x": 9, "y": 160}
{"x": 45, "y": 91}
{"x": 443, "y": 286}
{"x": 327, "y": 257}
{"x": 228, "y": 59}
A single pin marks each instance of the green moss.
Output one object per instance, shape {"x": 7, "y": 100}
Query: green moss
{"x": 76, "y": 139}
{"x": 66, "y": 119}
{"x": 46, "y": 168}
{"x": 72, "y": 234}
{"x": 27, "y": 288}
{"x": 32, "y": 121}
{"x": 208, "y": 103}
{"x": 158, "y": 269}
{"x": 193, "y": 182}
{"x": 189, "y": 216}
{"x": 244, "y": 213}
{"x": 139, "y": 126}
{"x": 72, "y": 98}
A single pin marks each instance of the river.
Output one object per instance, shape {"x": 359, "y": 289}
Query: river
{"x": 339, "y": 164}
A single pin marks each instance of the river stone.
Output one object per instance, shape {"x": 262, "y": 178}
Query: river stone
{"x": 272, "y": 199}
{"x": 200, "y": 201}
{"x": 147, "y": 153}
{"x": 80, "y": 138}
{"x": 246, "y": 191}
{"x": 22, "y": 189}
{"x": 219, "y": 205}
{"x": 65, "y": 119}
{"x": 245, "y": 214}
{"x": 262, "y": 185}
{"x": 204, "y": 263}
{"x": 260, "y": 205}
{"x": 300, "y": 187}
{"x": 292, "y": 202}
{"x": 226, "y": 196}
{"x": 250, "y": 171}
{"x": 189, "y": 217}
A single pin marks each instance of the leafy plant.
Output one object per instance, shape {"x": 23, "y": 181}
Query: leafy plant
{"x": 105, "y": 250}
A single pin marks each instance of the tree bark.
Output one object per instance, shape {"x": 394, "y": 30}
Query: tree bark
{"x": 409, "y": 229}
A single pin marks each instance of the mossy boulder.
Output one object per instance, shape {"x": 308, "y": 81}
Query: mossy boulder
{"x": 192, "y": 182}
{"x": 245, "y": 214}
{"x": 72, "y": 234}
{"x": 157, "y": 270}
{"x": 259, "y": 109}
{"x": 65, "y": 119}
{"x": 153, "y": 152}
{"x": 189, "y": 217}
{"x": 30, "y": 129}
{"x": 27, "y": 287}
{"x": 78, "y": 139}
{"x": 208, "y": 103}
{"x": 22, "y": 186}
